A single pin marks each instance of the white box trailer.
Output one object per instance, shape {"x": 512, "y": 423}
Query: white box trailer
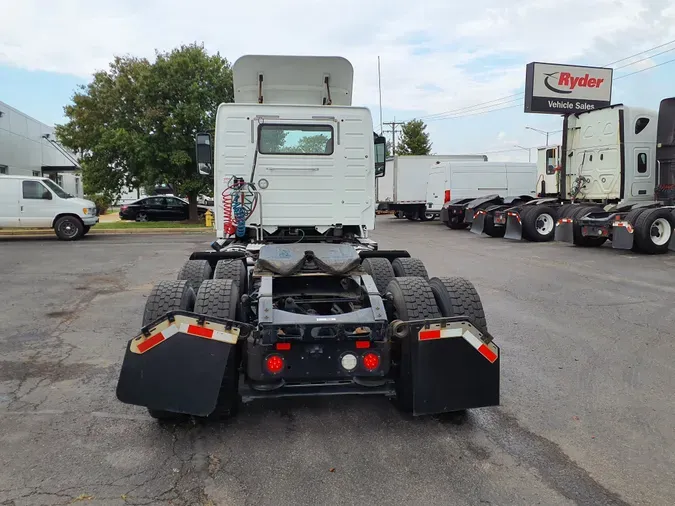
{"x": 403, "y": 188}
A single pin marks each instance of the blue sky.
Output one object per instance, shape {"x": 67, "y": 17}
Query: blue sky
{"x": 435, "y": 56}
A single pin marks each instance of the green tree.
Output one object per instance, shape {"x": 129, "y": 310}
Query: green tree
{"x": 135, "y": 124}
{"x": 414, "y": 139}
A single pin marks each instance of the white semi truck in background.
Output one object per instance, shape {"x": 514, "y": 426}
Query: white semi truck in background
{"x": 615, "y": 181}
{"x": 295, "y": 298}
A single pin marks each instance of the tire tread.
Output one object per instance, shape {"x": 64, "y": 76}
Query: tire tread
{"x": 409, "y": 267}
{"x": 195, "y": 271}
{"x": 464, "y": 299}
{"x": 381, "y": 271}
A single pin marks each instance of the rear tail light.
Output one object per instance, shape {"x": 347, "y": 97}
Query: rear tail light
{"x": 446, "y": 197}
{"x": 362, "y": 345}
{"x": 371, "y": 361}
{"x": 123, "y": 208}
{"x": 274, "y": 364}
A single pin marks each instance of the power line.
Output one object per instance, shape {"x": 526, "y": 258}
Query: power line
{"x": 645, "y": 69}
{"x": 471, "y": 113}
{"x": 645, "y": 58}
{"x": 442, "y": 115}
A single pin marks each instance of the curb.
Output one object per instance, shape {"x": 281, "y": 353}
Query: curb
{"x": 115, "y": 231}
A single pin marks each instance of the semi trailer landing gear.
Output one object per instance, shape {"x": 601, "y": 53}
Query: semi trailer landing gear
{"x": 309, "y": 319}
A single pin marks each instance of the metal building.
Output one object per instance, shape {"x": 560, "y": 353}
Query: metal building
{"x": 29, "y": 147}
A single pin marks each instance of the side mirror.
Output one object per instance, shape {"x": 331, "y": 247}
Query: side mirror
{"x": 380, "y": 155}
{"x": 204, "y": 153}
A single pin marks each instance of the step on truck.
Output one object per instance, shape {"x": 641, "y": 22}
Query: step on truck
{"x": 294, "y": 298}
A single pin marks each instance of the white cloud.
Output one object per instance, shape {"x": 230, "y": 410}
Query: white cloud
{"x": 436, "y": 55}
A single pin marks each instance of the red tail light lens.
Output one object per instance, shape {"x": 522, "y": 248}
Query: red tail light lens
{"x": 274, "y": 364}
{"x": 371, "y": 361}
{"x": 123, "y": 208}
{"x": 446, "y": 198}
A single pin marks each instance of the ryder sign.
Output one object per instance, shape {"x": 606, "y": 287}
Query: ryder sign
{"x": 551, "y": 88}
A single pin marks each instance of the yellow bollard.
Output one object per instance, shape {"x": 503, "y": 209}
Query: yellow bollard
{"x": 208, "y": 216}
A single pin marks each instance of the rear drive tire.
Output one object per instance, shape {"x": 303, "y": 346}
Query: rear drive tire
{"x": 454, "y": 223}
{"x": 458, "y": 297}
{"x": 381, "y": 271}
{"x": 538, "y": 223}
{"x": 168, "y": 296}
{"x": 220, "y": 298}
{"x": 195, "y": 272}
{"x": 631, "y": 218}
{"x": 235, "y": 270}
{"x": 580, "y": 240}
{"x": 427, "y": 216}
{"x": 69, "y": 228}
{"x": 406, "y": 267}
{"x": 654, "y": 230}
{"x": 412, "y": 299}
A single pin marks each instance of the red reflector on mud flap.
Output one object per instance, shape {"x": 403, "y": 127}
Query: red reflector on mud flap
{"x": 200, "y": 331}
{"x": 220, "y": 333}
{"x": 473, "y": 340}
{"x": 153, "y": 341}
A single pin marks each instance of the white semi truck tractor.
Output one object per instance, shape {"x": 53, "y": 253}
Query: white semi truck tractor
{"x": 295, "y": 298}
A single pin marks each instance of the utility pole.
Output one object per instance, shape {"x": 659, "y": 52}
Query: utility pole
{"x": 394, "y": 124}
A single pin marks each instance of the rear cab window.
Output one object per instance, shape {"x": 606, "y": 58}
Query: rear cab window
{"x": 278, "y": 139}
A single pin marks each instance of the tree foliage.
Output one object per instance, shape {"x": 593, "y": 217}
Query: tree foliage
{"x": 135, "y": 124}
{"x": 414, "y": 139}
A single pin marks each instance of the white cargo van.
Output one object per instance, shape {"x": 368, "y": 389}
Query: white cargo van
{"x": 38, "y": 202}
{"x": 460, "y": 179}
{"x": 403, "y": 188}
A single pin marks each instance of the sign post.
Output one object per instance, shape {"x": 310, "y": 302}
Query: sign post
{"x": 552, "y": 88}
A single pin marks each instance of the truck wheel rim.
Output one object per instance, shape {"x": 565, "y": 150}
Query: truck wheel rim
{"x": 544, "y": 224}
{"x": 660, "y": 231}
{"x": 428, "y": 216}
{"x": 68, "y": 228}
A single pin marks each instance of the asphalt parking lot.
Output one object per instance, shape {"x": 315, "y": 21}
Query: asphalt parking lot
{"x": 587, "y": 414}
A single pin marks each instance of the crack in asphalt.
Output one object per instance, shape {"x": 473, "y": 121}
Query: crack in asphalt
{"x": 551, "y": 463}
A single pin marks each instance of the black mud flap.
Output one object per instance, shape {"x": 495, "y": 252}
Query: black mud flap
{"x": 622, "y": 235}
{"x": 177, "y": 363}
{"x": 564, "y": 230}
{"x": 478, "y": 224}
{"x": 449, "y": 366}
{"x": 514, "y": 227}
